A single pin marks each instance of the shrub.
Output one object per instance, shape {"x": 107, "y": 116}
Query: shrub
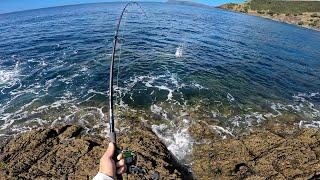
{"x": 245, "y": 9}
{"x": 312, "y": 24}
{"x": 282, "y": 6}
{"x": 261, "y": 12}
{"x": 270, "y": 13}
{"x": 314, "y": 15}
{"x": 300, "y": 23}
{"x": 231, "y": 5}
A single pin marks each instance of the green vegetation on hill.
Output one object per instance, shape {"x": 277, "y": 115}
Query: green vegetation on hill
{"x": 290, "y": 7}
{"x": 230, "y": 5}
{"x": 302, "y": 13}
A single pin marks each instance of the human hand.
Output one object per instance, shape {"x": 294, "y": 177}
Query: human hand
{"x": 107, "y": 164}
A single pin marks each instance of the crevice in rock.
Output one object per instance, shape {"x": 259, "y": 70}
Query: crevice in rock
{"x": 267, "y": 151}
{"x": 186, "y": 174}
{"x": 315, "y": 177}
{"x": 92, "y": 144}
{"x": 52, "y": 134}
{"x": 238, "y": 167}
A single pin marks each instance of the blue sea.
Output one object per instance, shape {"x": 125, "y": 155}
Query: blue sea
{"x": 175, "y": 66}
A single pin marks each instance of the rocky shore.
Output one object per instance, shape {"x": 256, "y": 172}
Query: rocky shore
{"x": 309, "y": 20}
{"x": 67, "y": 152}
{"x": 278, "y": 152}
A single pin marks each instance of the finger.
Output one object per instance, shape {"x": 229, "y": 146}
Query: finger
{"x": 120, "y": 163}
{"x": 121, "y": 170}
{"x": 120, "y": 156}
{"x": 110, "y": 151}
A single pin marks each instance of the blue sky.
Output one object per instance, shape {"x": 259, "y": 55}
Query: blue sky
{"x": 19, "y": 5}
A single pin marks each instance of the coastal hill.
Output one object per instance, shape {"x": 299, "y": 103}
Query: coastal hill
{"x": 302, "y": 13}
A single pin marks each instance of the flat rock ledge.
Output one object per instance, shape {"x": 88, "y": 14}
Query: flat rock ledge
{"x": 275, "y": 153}
{"x": 67, "y": 152}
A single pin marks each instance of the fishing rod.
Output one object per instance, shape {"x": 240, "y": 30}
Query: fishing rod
{"x": 113, "y": 136}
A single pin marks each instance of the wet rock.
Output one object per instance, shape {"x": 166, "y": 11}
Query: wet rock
{"x": 227, "y": 158}
{"x": 202, "y": 131}
{"x": 283, "y": 130}
{"x": 152, "y": 154}
{"x": 67, "y": 153}
{"x": 261, "y": 142}
{"x": 260, "y": 155}
{"x": 67, "y": 132}
{"x": 289, "y": 118}
{"x": 286, "y": 159}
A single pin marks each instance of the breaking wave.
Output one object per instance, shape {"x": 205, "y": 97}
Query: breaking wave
{"x": 9, "y": 77}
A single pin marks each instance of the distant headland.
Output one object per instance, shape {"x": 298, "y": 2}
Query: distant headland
{"x": 301, "y": 13}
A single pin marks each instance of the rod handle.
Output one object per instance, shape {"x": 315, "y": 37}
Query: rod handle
{"x": 116, "y": 153}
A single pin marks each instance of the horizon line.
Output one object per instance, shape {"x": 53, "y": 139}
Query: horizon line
{"x": 19, "y": 11}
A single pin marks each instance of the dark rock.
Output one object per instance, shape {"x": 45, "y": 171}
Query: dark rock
{"x": 65, "y": 153}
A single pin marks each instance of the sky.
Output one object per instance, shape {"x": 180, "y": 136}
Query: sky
{"x": 20, "y": 5}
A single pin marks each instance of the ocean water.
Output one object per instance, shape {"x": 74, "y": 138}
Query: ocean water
{"x": 177, "y": 65}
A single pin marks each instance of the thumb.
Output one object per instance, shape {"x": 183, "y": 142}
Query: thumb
{"x": 110, "y": 151}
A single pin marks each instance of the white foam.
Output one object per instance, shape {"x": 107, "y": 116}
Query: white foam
{"x": 156, "y": 109}
{"x": 84, "y": 69}
{"x": 7, "y": 123}
{"x": 215, "y": 114}
{"x": 150, "y": 81}
{"x": 247, "y": 120}
{"x": 96, "y": 92}
{"x": 170, "y": 91}
{"x": 230, "y": 97}
{"x": 309, "y": 124}
{"x": 179, "y": 52}
{"x": 197, "y": 85}
{"x": 179, "y": 142}
{"x": 224, "y": 133}
{"x": 303, "y": 104}
{"x": 9, "y": 76}
{"x": 277, "y": 107}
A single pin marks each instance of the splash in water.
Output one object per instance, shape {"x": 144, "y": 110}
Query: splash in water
{"x": 6, "y": 76}
{"x": 179, "y": 52}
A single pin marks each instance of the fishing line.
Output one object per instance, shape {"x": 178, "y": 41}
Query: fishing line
{"x": 112, "y": 133}
{"x": 111, "y": 78}
{"x": 118, "y": 94}
{"x": 121, "y": 41}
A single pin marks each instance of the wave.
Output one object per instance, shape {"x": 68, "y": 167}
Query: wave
{"x": 174, "y": 109}
{"x": 10, "y": 76}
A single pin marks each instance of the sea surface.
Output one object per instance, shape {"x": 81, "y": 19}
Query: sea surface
{"x": 176, "y": 65}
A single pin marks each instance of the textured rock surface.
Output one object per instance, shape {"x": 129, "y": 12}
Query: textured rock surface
{"x": 67, "y": 153}
{"x": 277, "y": 153}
